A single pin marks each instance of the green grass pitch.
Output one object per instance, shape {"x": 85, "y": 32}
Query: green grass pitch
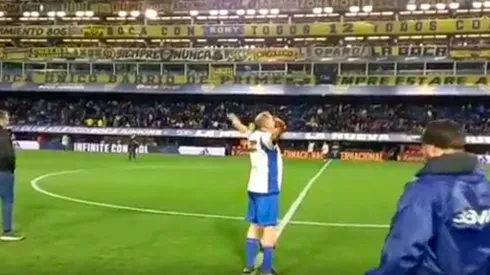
{"x": 330, "y": 232}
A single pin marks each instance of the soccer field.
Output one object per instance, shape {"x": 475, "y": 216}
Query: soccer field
{"x": 101, "y": 214}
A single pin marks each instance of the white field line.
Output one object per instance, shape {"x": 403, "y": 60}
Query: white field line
{"x": 292, "y": 210}
{"x": 35, "y": 185}
{"x": 296, "y": 204}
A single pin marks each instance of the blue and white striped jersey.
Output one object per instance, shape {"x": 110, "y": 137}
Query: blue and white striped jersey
{"x": 266, "y": 164}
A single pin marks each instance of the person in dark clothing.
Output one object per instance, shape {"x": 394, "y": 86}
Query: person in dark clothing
{"x": 7, "y": 170}
{"x": 132, "y": 147}
{"x": 442, "y": 224}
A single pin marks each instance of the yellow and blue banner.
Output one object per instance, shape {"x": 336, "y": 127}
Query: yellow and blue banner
{"x": 415, "y": 80}
{"x": 157, "y": 54}
{"x": 358, "y": 28}
{"x": 289, "y": 54}
{"x": 406, "y": 27}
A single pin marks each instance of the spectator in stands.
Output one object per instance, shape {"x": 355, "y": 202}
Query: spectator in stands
{"x": 89, "y": 122}
{"x": 211, "y": 114}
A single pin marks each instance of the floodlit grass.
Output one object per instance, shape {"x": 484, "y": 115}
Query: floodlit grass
{"x": 66, "y": 237}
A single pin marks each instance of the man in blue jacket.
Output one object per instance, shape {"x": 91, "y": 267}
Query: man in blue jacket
{"x": 442, "y": 224}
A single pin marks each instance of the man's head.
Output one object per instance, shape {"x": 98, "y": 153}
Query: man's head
{"x": 4, "y": 118}
{"x": 265, "y": 121}
{"x": 441, "y": 137}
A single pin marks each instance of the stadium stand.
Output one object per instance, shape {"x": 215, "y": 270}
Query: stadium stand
{"x": 387, "y": 116}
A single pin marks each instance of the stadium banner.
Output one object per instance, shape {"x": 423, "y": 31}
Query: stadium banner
{"x": 110, "y": 7}
{"x": 404, "y": 27}
{"x": 291, "y": 86}
{"x": 106, "y": 148}
{"x": 301, "y": 154}
{"x": 189, "y": 55}
{"x": 361, "y": 156}
{"x": 411, "y": 50}
{"x": 14, "y": 53}
{"x": 363, "y": 137}
{"x": 202, "y": 151}
{"x": 40, "y": 31}
{"x": 74, "y": 82}
{"x": 470, "y": 54}
{"x": 383, "y": 80}
{"x": 26, "y": 145}
{"x": 72, "y": 6}
{"x": 277, "y": 54}
{"x": 408, "y": 27}
{"x": 159, "y": 54}
{"x": 321, "y": 53}
{"x": 410, "y": 157}
{"x": 289, "y": 154}
{"x": 283, "y": 5}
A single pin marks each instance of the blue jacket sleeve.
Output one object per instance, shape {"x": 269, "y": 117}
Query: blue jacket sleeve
{"x": 411, "y": 229}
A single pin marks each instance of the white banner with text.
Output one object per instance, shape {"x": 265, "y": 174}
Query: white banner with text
{"x": 26, "y": 145}
{"x": 202, "y": 151}
{"x": 107, "y": 148}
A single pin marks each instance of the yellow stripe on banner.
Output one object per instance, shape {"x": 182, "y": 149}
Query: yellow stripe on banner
{"x": 413, "y": 80}
{"x": 408, "y": 27}
{"x": 470, "y": 54}
{"x": 14, "y": 53}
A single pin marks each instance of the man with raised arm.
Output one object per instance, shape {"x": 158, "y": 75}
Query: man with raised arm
{"x": 264, "y": 187}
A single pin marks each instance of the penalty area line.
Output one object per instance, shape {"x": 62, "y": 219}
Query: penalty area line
{"x": 35, "y": 185}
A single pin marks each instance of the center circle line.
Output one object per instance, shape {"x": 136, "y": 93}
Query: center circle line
{"x": 35, "y": 185}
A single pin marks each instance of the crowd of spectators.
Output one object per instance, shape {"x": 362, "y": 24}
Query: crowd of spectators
{"x": 316, "y": 115}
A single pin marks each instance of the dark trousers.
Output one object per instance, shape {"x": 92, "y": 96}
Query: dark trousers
{"x": 7, "y": 198}
{"x": 132, "y": 154}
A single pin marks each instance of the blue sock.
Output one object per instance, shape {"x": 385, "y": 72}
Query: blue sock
{"x": 267, "y": 263}
{"x": 252, "y": 246}
{"x": 7, "y": 216}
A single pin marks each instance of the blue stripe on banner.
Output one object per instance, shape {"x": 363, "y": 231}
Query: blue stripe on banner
{"x": 224, "y": 30}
